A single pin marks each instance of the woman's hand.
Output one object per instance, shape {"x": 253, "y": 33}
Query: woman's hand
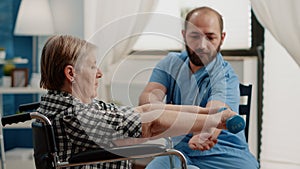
{"x": 203, "y": 141}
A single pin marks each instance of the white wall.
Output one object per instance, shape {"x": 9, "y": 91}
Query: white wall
{"x": 280, "y": 138}
{"x": 68, "y": 16}
{"x": 129, "y": 77}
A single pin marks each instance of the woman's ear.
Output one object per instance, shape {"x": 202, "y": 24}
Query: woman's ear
{"x": 69, "y": 73}
{"x": 183, "y": 33}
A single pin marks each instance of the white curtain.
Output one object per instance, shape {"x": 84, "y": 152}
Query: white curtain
{"x": 282, "y": 19}
{"x": 114, "y": 26}
{"x": 280, "y": 141}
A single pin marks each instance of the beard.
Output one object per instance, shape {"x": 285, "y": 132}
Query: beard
{"x": 203, "y": 57}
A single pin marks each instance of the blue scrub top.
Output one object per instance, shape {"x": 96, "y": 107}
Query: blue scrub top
{"x": 215, "y": 81}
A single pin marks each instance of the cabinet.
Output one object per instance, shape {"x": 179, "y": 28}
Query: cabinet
{"x": 13, "y": 90}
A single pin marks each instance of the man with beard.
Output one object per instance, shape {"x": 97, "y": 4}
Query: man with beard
{"x": 200, "y": 76}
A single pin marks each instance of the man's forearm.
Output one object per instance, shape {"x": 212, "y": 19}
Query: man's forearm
{"x": 147, "y": 98}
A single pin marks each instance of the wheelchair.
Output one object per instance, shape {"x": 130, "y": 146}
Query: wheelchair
{"x": 45, "y": 149}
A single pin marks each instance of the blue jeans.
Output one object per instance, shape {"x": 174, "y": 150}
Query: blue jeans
{"x": 221, "y": 161}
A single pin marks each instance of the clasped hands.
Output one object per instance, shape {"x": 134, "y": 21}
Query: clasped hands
{"x": 204, "y": 140}
{"x": 207, "y": 138}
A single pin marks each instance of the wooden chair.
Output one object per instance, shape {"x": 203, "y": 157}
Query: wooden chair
{"x": 244, "y": 107}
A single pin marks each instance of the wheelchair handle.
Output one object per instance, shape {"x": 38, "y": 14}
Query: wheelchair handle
{"x": 16, "y": 118}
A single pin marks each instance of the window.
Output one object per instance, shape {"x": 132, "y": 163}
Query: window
{"x": 163, "y": 31}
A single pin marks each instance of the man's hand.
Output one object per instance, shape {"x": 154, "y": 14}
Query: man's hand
{"x": 204, "y": 140}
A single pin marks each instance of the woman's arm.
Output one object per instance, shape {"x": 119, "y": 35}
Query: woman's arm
{"x": 181, "y": 108}
{"x": 165, "y": 123}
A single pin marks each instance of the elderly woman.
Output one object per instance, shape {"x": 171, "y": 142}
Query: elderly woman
{"x": 70, "y": 73}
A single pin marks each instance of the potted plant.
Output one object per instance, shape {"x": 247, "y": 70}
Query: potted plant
{"x": 7, "y": 69}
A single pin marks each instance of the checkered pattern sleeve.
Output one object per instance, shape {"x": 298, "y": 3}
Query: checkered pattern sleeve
{"x": 91, "y": 126}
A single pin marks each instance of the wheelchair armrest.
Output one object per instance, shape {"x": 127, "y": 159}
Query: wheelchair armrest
{"x": 117, "y": 153}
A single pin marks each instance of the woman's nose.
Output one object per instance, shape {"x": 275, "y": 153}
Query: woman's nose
{"x": 99, "y": 73}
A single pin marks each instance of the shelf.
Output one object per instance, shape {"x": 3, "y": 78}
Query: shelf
{"x": 21, "y": 90}
{"x": 17, "y": 60}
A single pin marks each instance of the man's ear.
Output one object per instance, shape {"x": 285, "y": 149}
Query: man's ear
{"x": 223, "y": 37}
{"x": 69, "y": 73}
{"x": 183, "y": 33}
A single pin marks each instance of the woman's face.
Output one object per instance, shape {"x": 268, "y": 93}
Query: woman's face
{"x": 86, "y": 83}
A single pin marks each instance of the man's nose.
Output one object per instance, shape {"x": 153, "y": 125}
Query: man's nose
{"x": 201, "y": 43}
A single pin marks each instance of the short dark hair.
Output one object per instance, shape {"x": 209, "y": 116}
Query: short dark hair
{"x": 205, "y": 8}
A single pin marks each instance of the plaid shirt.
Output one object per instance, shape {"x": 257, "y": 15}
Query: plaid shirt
{"x": 79, "y": 126}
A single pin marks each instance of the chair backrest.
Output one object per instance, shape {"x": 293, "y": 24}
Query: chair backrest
{"x": 245, "y": 105}
{"x": 44, "y": 148}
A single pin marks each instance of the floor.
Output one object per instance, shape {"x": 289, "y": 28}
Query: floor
{"x": 19, "y": 158}
{"x": 22, "y": 158}
{"x": 141, "y": 163}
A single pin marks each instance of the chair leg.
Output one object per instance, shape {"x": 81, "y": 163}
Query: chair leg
{"x": 171, "y": 153}
{"x": 171, "y": 162}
